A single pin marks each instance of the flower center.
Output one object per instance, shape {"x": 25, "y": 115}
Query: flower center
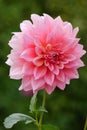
{"x": 52, "y": 57}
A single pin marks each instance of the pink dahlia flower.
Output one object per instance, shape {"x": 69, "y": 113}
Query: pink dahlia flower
{"x": 45, "y": 54}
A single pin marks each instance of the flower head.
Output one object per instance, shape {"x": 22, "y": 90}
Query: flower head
{"x": 45, "y": 54}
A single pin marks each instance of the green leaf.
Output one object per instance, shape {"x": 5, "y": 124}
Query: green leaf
{"x": 85, "y": 126}
{"x": 42, "y": 109}
{"x": 49, "y": 127}
{"x": 32, "y": 106}
{"x": 16, "y": 117}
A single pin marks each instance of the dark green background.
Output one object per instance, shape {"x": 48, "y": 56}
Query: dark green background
{"x": 68, "y": 108}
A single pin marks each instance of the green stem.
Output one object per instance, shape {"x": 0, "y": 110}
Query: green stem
{"x": 41, "y": 115}
{"x": 85, "y": 126}
{"x": 43, "y": 105}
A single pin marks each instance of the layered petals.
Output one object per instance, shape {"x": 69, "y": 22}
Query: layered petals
{"x": 46, "y": 54}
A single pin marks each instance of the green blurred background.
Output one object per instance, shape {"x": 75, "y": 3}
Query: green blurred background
{"x": 68, "y": 108}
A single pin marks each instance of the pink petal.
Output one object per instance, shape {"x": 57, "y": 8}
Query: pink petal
{"x": 69, "y": 57}
{"x": 26, "y": 84}
{"x": 67, "y": 43}
{"x": 50, "y": 38}
{"x": 78, "y": 51}
{"x": 36, "y": 19}
{"x": 26, "y": 26}
{"x": 39, "y": 72}
{"x": 59, "y": 21}
{"x": 56, "y": 69}
{"x": 16, "y": 72}
{"x": 61, "y": 85}
{"x": 49, "y": 88}
{"x": 56, "y": 34}
{"x": 37, "y": 84}
{"x": 28, "y": 54}
{"x": 38, "y": 51}
{"x": 74, "y": 64}
{"x": 49, "y": 78}
{"x": 9, "y": 61}
{"x": 48, "y": 20}
{"x": 50, "y": 66}
{"x": 71, "y": 73}
{"x": 61, "y": 76}
{"x": 67, "y": 79}
{"x": 68, "y": 29}
{"x": 28, "y": 68}
{"x": 75, "y": 31}
{"x": 17, "y": 42}
{"x": 38, "y": 61}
